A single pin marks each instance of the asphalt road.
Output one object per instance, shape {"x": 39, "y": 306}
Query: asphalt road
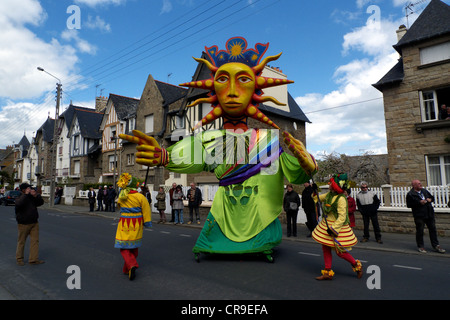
{"x": 168, "y": 270}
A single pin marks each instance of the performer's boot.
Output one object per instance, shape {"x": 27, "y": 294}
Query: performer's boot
{"x": 357, "y": 267}
{"x": 132, "y": 273}
{"x": 327, "y": 274}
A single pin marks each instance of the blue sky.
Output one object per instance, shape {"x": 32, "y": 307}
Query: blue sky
{"x": 333, "y": 50}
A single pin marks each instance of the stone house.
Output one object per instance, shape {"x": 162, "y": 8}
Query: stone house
{"x": 159, "y": 101}
{"x": 413, "y": 92}
{"x": 119, "y": 113}
{"x": 84, "y": 152}
{"x": 20, "y": 156}
{"x": 43, "y": 142}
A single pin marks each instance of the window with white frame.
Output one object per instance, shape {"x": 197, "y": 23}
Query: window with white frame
{"x": 179, "y": 122}
{"x": 76, "y": 167}
{"x": 149, "y": 123}
{"x": 76, "y": 142}
{"x": 429, "y": 106}
{"x": 131, "y": 124}
{"x": 438, "y": 170}
{"x": 113, "y": 131}
{"x": 130, "y": 159}
{"x": 111, "y": 163}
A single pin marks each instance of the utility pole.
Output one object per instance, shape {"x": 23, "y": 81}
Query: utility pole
{"x": 54, "y": 146}
{"x": 55, "y": 139}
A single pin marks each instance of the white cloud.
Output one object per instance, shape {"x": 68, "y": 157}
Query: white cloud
{"x": 97, "y": 23}
{"x": 22, "y": 51}
{"x": 19, "y": 117}
{"x": 166, "y": 7}
{"x": 95, "y": 3}
{"x": 82, "y": 45}
{"x": 350, "y": 119}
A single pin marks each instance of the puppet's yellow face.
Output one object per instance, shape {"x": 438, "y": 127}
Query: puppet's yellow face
{"x": 234, "y": 84}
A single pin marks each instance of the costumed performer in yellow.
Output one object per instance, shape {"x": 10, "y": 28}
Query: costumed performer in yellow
{"x": 334, "y": 230}
{"x": 135, "y": 214}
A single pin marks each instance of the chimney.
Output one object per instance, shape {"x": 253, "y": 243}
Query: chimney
{"x": 100, "y": 103}
{"x": 401, "y": 32}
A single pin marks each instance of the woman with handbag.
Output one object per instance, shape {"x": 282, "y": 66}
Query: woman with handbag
{"x": 161, "y": 204}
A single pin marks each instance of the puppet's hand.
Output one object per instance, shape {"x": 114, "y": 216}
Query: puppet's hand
{"x": 305, "y": 159}
{"x": 149, "y": 152}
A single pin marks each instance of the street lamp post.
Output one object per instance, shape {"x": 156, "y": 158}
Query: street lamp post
{"x": 55, "y": 139}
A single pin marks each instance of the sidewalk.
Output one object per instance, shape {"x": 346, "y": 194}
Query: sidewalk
{"x": 392, "y": 242}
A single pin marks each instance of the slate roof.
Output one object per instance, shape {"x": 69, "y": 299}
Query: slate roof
{"x": 24, "y": 142}
{"x": 47, "y": 130}
{"x": 89, "y": 121}
{"x": 395, "y": 75}
{"x": 125, "y": 107}
{"x": 69, "y": 113}
{"x": 433, "y": 22}
{"x": 170, "y": 93}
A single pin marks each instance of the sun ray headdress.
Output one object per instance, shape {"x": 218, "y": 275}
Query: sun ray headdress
{"x": 236, "y": 51}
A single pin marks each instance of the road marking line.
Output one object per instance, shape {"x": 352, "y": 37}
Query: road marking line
{"x": 310, "y": 254}
{"x": 406, "y": 267}
{"x": 165, "y": 232}
{"x": 185, "y": 235}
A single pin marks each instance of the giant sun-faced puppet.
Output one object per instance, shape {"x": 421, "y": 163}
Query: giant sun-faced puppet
{"x": 249, "y": 163}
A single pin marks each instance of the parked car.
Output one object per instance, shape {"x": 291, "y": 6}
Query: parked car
{"x": 10, "y": 197}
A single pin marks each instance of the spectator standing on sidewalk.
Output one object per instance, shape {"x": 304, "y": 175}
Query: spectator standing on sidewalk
{"x": 419, "y": 200}
{"x": 368, "y": 203}
{"x": 291, "y": 203}
{"x": 309, "y": 207}
{"x": 91, "y": 199}
{"x": 194, "y": 196}
{"x": 111, "y": 198}
{"x": 100, "y": 199}
{"x": 178, "y": 205}
{"x": 27, "y": 223}
{"x": 161, "y": 205}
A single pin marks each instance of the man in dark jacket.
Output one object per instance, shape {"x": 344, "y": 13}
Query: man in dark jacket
{"x": 100, "y": 199}
{"x": 368, "y": 203}
{"x": 291, "y": 203}
{"x": 419, "y": 200}
{"x": 309, "y": 207}
{"x": 27, "y": 223}
{"x": 194, "y": 196}
{"x": 91, "y": 199}
{"x": 111, "y": 197}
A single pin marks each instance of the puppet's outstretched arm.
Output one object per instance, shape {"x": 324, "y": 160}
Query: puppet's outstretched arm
{"x": 150, "y": 153}
{"x": 305, "y": 159}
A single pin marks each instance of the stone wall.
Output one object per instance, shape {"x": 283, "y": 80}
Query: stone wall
{"x": 403, "y": 222}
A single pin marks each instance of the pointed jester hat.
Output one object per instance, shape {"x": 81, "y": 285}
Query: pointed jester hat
{"x": 339, "y": 182}
{"x": 234, "y": 68}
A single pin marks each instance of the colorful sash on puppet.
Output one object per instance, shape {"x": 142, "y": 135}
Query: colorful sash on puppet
{"x": 258, "y": 159}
